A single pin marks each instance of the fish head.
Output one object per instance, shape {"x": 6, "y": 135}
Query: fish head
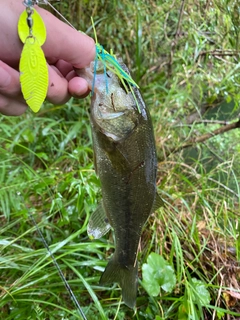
{"x": 113, "y": 111}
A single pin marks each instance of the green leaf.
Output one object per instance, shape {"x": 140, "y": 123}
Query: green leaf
{"x": 220, "y": 314}
{"x": 183, "y": 311}
{"x": 201, "y": 293}
{"x": 158, "y": 273}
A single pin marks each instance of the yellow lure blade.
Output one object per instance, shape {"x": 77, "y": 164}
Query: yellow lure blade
{"x": 33, "y": 74}
{"x": 38, "y": 28}
{"x": 33, "y": 66}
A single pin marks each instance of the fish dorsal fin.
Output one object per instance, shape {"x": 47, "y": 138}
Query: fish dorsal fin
{"x": 98, "y": 224}
{"x": 158, "y": 202}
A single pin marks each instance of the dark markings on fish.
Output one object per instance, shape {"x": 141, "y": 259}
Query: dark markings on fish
{"x": 108, "y": 75}
{"x": 126, "y": 85}
{"x": 112, "y": 102}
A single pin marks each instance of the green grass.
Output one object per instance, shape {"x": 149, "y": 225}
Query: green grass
{"x": 46, "y": 170}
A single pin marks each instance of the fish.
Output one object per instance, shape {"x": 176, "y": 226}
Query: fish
{"x": 126, "y": 162}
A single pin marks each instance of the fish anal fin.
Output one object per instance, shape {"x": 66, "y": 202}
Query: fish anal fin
{"x": 98, "y": 224}
{"x": 158, "y": 202}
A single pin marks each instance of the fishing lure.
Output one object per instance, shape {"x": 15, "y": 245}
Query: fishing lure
{"x": 111, "y": 63}
{"x": 33, "y": 66}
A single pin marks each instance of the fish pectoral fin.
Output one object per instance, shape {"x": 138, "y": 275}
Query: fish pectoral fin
{"x": 126, "y": 276}
{"x": 98, "y": 224}
{"x": 158, "y": 202}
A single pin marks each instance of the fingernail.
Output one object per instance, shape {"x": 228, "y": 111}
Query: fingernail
{"x": 5, "y": 78}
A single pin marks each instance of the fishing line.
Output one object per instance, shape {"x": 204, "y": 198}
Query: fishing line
{"x": 54, "y": 9}
{"x": 67, "y": 286}
{"x": 29, "y": 4}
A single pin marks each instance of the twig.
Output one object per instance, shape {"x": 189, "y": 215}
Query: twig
{"x": 185, "y": 33}
{"x": 174, "y": 43}
{"x": 205, "y": 137}
{"x": 220, "y": 53}
{"x": 180, "y": 19}
{"x": 200, "y": 122}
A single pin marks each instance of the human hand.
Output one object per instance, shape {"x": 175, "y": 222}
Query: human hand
{"x": 64, "y": 49}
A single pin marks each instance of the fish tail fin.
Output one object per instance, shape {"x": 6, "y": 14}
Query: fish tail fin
{"x": 127, "y": 278}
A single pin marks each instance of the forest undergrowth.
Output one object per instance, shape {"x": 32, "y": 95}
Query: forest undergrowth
{"x": 185, "y": 57}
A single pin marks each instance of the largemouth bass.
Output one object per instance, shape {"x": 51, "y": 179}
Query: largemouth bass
{"x": 125, "y": 160}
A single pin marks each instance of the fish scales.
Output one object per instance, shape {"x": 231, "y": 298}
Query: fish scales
{"x": 125, "y": 160}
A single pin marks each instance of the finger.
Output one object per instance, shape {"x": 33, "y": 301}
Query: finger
{"x": 9, "y": 81}
{"x": 10, "y": 107}
{"x": 11, "y": 45}
{"x": 64, "y": 67}
{"x": 58, "y": 87}
{"x": 78, "y": 87}
{"x": 11, "y": 100}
